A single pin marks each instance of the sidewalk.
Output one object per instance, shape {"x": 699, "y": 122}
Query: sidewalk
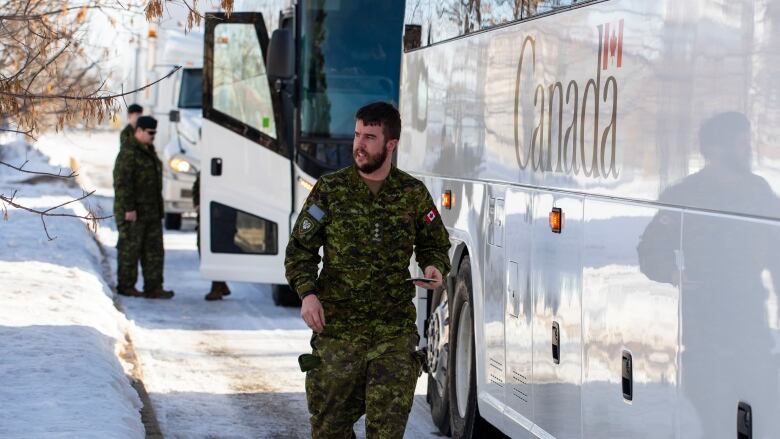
{"x": 61, "y": 336}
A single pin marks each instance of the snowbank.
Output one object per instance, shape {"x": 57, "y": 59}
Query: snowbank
{"x": 59, "y": 330}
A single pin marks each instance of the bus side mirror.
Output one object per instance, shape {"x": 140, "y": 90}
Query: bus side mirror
{"x": 174, "y": 116}
{"x": 412, "y": 36}
{"x": 281, "y": 55}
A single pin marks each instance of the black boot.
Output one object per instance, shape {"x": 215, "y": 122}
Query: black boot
{"x": 158, "y": 293}
{"x": 129, "y": 292}
{"x": 218, "y": 290}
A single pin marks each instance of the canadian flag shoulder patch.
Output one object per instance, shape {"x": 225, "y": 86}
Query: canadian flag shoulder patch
{"x": 430, "y": 216}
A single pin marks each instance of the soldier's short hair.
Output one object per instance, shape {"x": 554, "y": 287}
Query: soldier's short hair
{"x": 384, "y": 114}
{"x": 720, "y": 132}
{"x": 134, "y": 108}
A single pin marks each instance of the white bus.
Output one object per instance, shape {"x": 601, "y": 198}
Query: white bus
{"x": 279, "y": 112}
{"x": 608, "y": 173}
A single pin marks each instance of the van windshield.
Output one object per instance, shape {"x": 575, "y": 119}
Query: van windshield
{"x": 191, "y": 93}
{"x": 350, "y": 55}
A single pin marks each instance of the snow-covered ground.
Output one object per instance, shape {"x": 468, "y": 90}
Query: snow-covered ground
{"x": 212, "y": 369}
{"x": 60, "y": 334}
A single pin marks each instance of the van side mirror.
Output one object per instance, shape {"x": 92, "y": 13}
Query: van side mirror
{"x": 281, "y": 55}
{"x": 174, "y": 116}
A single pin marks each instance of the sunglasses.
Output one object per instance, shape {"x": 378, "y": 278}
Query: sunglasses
{"x": 151, "y": 132}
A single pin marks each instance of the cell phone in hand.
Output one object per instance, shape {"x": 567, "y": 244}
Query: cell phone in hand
{"x": 421, "y": 279}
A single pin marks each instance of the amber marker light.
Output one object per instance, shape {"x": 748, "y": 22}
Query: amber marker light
{"x": 556, "y": 220}
{"x": 306, "y": 185}
{"x": 446, "y": 199}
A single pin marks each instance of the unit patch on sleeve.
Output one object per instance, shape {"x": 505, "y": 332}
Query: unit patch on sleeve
{"x": 430, "y": 216}
{"x": 310, "y": 220}
{"x": 306, "y": 224}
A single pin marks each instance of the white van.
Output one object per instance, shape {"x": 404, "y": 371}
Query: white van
{"x": 177, "y": 108}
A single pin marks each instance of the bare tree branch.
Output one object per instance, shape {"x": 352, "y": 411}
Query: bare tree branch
{"x": 9, "y": 130}
{"x": 89, "y": 97}
{"x": 20, "y": 168}
{"x": 27, "y": 17}
{"x": 90, "y": 217}
{"x": 48, "y": 63}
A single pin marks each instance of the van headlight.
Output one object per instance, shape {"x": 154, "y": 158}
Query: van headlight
{"x": 181, "y": 165}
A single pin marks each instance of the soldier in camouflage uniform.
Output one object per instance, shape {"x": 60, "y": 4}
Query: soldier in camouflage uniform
{"x": 138, "y": 210}
{"x": 134, "y": 111}
{"x": 368, "y": 218}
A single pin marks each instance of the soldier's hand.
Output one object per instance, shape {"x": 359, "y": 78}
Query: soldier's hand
{"x": 131, "y": 216}
{"x": 312, "y": 313}
{"x": 431, "y": 272}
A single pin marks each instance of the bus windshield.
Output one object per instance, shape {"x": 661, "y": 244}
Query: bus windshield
{"x": 350, "y": 55}
{"x": 191, "y": 93}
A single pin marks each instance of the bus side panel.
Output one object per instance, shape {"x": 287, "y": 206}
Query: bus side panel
{"x": 493, "y": 311}
{"x": 630, "y": 307}
{"x": 519, "y": 312}
{"x": 556, "y": 282}
{"x": 730, "y": 323}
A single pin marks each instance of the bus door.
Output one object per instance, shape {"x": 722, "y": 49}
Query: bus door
{"x": 246, "y": 172}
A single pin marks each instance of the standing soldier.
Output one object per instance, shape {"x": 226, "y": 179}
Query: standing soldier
{"x": 134, "y": 111}
{"x": 138, "y": 210}
{"x": 368, "y": 218}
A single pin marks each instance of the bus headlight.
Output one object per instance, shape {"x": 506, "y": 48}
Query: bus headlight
{"x": 182, "y": 166}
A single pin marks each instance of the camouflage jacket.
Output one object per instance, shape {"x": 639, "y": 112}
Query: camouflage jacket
{"x": 138, "y": 182}
{"x": 367, "y": 244}
{"x": 125, "y": 135}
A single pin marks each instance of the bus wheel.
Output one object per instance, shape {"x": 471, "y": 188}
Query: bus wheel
{"x": 172, "y": 221}
{"x": 438, "y": 354}
{"x": 283, "y": 295}
{"x": 464, "y": 416}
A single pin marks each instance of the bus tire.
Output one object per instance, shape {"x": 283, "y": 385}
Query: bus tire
{"x": 283, "y": 295}
{"x": 172, "y": 221}
{"x": 465, "y": 421}
{"x": 438, "y": 386}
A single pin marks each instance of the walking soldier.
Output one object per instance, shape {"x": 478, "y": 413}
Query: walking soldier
{"x": 368, "y": 219}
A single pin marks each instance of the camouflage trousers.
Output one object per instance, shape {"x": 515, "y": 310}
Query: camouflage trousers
{"x": 140, "y": 241}
{"x": 354, "y": 378}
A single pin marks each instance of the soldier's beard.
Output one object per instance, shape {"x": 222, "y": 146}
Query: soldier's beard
{"x": 373, "y": 162}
